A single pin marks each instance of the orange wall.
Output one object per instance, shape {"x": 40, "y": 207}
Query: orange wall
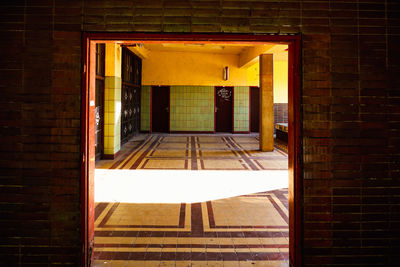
{"x": 183, "y": 68}
{"x": 280, "y": 79}
{"x": 206, "y": 69}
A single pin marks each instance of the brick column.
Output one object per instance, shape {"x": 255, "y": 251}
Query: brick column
{"x": 266, "y": 103}
{"x": 112, "y": 99}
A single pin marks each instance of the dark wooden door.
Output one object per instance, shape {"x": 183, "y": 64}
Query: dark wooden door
{"x": 223, "y": 108}
{"x": 255, "y": 109}
{"x": 160, "y": 109}
{"x": 130, "y": 95}
{"x": 99, "y": 107}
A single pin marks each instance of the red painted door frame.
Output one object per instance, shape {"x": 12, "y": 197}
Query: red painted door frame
{"x": 87, "y": 123}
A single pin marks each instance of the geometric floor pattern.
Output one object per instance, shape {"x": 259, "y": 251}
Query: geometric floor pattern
{"x": 201, "y": 152}
{"x": 246, "y": 230}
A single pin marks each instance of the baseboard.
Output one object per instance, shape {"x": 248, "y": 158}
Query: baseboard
{"x": 111, "y": 156}
{"x": 241, "y": 132}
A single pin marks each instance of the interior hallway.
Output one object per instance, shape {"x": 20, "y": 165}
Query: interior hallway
{"x": 227, "y": 227}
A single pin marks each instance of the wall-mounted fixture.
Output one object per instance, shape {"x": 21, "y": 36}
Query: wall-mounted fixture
{"x": 226, "y": 73}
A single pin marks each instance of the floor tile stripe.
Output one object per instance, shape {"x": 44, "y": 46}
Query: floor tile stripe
{"x": 143, "y": 155}
{"x": 259, "y": 165}
{"x": 109, "y": 214}
{"x": 210, "y": 215}
{"x": 245, "y": 152}
{"x": 129, "y": 152}
{"x": 197, "y": 220}
{"x": 193, "y": 153}
{"x": 182, "y": 215}
{"x": 280, "y": 195}
{"x": 99, "y": 209}
{"x": 135, "y": 152}
{"x": 139, "y": 226}
{"x": 242, "y": 154}
{"x": 279, "y": 210}
{"x": 187, "y": 153}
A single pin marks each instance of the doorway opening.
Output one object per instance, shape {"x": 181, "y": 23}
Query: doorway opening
{"x": 187, "y": 141}
{"x": 255, "y": 109}
{"x": 223, "y": 109}
{"x": 160, "y": 109}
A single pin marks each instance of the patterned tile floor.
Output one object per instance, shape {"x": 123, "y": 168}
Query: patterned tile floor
{"x": 197, "y": 152}
{"x": 246, "y": 230}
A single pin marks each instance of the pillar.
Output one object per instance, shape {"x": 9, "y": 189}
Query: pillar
{"x": 112, "y": 99}
{"x": 266, "y": 103}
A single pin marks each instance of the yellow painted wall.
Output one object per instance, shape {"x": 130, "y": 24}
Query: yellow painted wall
{"x": 113, "y": 60}
{"x": 182, "y": 68}
{"x": 112, "y": 100}
{"x": 253, "y": 74}
{"x": 193, "y": 70}
{"x": 280, "y": 79}
{"x": 188, "y": 68}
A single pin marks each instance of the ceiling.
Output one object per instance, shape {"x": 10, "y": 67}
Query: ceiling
{"x": 235, "y": 49}
{"x": 279, "y": 50}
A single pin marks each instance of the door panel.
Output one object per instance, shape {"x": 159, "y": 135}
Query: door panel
{"x": 160, "y": 109}
{"x": 223, "y": 108}
{"x": 99, "y": 115}
{"x": 130, "y": 95}
{"x": 130, "y": 107}
{"x": 255, "y": 108}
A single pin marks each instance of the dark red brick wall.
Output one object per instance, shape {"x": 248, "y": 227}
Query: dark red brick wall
{"x": 280, "y": 113}
{"x": 350, "y": 109}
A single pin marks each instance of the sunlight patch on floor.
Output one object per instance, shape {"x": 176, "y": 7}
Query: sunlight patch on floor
{"x": 177, "y": 186}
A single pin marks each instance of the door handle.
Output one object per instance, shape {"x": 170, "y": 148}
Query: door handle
{"x": 167, "y": 109}
{"x": 216, "y": 109}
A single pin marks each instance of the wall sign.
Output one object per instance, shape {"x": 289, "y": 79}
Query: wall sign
{"x": 224, "y": 94}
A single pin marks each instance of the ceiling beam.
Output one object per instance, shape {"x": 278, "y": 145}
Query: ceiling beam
{"x": 141, "y": 52}
{"x": 249, "y": 55}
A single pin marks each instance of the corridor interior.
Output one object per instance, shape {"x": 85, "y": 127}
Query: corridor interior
{"x": 192, "y": 200}
{"x": 180, "y": 178}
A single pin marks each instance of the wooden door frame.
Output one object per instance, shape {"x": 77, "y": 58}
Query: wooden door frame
{"x": 87, "y": 122}
{"x": 151, "y": 106}
{"x": 232, "y": 108}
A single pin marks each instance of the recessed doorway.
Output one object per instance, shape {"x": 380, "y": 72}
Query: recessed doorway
{"x": 255, "y": 109}
{"x": 160, "y": 109}
{"x": 294, "y": 121}
{"x": 223, "y": 109}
